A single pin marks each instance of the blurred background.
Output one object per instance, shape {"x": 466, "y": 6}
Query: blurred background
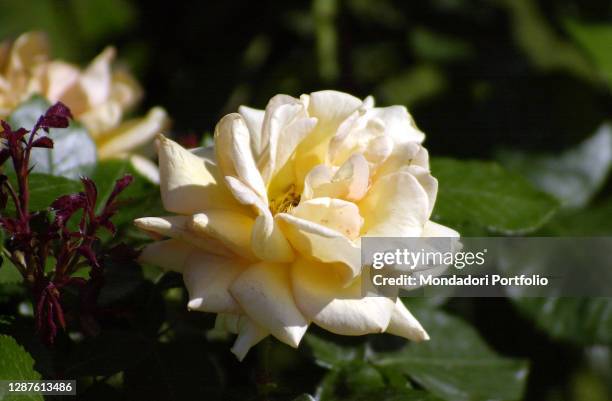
{"x": 519, "y": 81}
{"x": 476, "y": 75}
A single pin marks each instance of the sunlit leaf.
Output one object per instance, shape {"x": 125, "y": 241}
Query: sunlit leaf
{"x": 324, "y": 12}
{"x": 595, "y": 40}
{"x": 539, "y": 41}
{"x": 9, "y": 273}
{"x": 431, "y": 46}
{"x": 44, "y": 189}
{"x": 414, "y": 85}
{"x": 16, "y": 364}
{"x": 476, "y": 197}
{"x": 573, "y": 177}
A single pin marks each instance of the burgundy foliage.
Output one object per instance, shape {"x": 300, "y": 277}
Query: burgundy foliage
{"x": 64, "y": 235}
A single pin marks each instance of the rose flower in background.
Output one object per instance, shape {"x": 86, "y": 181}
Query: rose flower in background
{"x": 267, "y": 224}
{"x": 98, "y": 95}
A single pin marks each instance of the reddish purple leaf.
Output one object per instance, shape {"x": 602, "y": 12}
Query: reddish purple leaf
{"x": 59, "y": 109}
{"x": 57, "y": 116}
{"x": 20, "y": 133}
{"x": 66, "y": 206}
{"x": 91, "y": 192}
{"x": 120, "y": 185}
{"x": 59, "y": 312}
{"x": 89, "y": 254}
{"x": 106, "y": 223}
{"x": 43, "y": 142}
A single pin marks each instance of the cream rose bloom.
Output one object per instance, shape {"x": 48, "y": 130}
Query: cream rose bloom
{"x": 98, "y": 96}
{"x": 267, "y": 224}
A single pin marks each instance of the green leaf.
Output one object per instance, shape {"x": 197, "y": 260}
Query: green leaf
{"x": 327, "y": 387}
{"x": 477, "y": 197}
{"x": 593, "y": 221}
{"x": 9, "y": 273}
{"x": 352, "y": 378}
{"x": 540, "y": 42}
{"x": 11, "y": 291}
{"x": 579, "y": 320}
{"x": 99, "y": 18}
{"x": 324, "y": 13}
{"x": 584, "y": 321}
{"x": 327, "y": 354}
{"x": 360, "y": 381}
{"x": 19, "y": 17}
{"x": 362, "y": 378}
{"x": 414, "y": 85}
{"x": 595, "y": 40}
{"x": 141, "y": 198}
{"x": 456, "y": 364}
{"x": 44, "y": 189}
{"x": 433, "y": 46}
{"x": 74, "y": 152}
{"x": 16, "y": 364}
{"x": 573, "y": 177}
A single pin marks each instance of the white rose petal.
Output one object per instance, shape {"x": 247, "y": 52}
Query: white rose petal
{"x": 263, "y": 291}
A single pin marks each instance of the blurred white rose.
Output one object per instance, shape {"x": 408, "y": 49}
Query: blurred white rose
{"x": 98, "y": 95}
{"x": 267, "y": 224}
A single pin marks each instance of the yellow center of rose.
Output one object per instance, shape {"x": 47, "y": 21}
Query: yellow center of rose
{"x": 285, "y": 202}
